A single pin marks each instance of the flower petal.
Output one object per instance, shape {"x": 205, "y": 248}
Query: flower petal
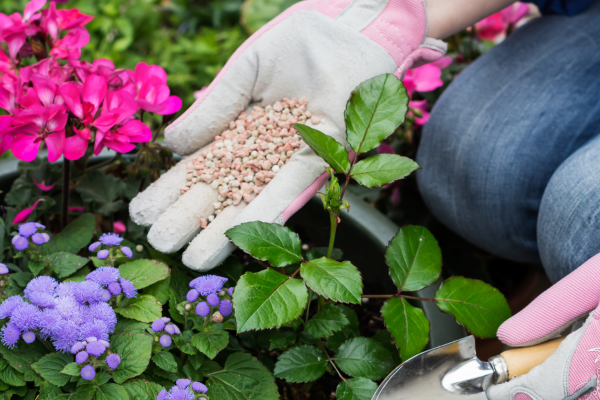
{"x": 42, "y": 185}
{"x": 23, "y": 215}
{"x": 32, "y": 7}
{"x": 55, "y": 143}
{"x": 75, "y": 147}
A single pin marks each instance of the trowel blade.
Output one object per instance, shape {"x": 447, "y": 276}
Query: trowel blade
{"x": 449, "y": 372}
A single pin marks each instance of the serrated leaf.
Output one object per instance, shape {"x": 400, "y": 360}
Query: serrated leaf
{"x": 267, "y": 299}
{"x": 142, "y": 389}
{"x": 110, "y": 391}
{"x": 375, "y": 109}
{"x": 364, "y": 358}
{"x": 71, "y": 369}
{"x": 327, "y": 321}
{"x": 12, "y": 377}
{"x": 165, "y": 361}
{"x": 84, "y": 392}
{"x": 50, "y": 366}
{"x": 356, "y": 389}
{"x": 160, "y": 290}
{"x": 74, "y": 237}
{"x": 135, "y": 351}
{"x": 184, "y": 342}
{"x": 348, "y": 332}
{"x": 477, "y": 306}
{"x": 326, "y": 147}
{"x": 301, "y": 364}
{"x": 21, "y": 357}
{"x": 243, "y": 377}
{"x": 339, "y": 281}
{"x": 414, "y": 258}
{"x": 196, "y": 360}
{"x": 125, "y": 325}
{"x": 268, "y": 242}
{"x": 173, "y": 301}
{"x": 143, "y": 273}
{"x": 48, "y": 391}
{"x": 65, "y": 264}
{"x": 282, "y": 339}
{"x": 145, "y": 308}
{"x": 408, "y": 325}
{"x": 382, "y": 169}
{"x": 212, "y": 340}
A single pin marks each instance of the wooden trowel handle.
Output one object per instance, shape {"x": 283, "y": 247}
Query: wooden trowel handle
{"x": 521, "y": 361}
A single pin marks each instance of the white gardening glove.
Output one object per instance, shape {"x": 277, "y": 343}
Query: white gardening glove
{"x": 317, "y": 49}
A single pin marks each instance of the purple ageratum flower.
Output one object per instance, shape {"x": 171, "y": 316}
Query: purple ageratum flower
{"x": 88, "y": 373}
{"x": 8, "y": 305}
{"x": 91, "y": 339}
{"x": 158, "y": 325}
{"x": 105, "y": 343}
{"x": 95, "y": 328}
{"x": 10, "y": 335}
{"x": 165, "y": 340}
{"x": 177, "y": 331}
{"x": 94, "y": 246}
{"x": 106, "y": 296}
{"x": 25, "y": 317}
{"x": 128, "y": 288}
{"x": 41, "y": 290}
{"x": 104, "y": 313}
{"x": 192, "y": 295}
{"x": 199, "y": 387}
{"x": 20, "y": 242}
{"x": 95, "y": 348}
{"x": 103, "y": 254}
{"x": 3, "y": 269}
{"x": 38, "y": 238}
{"x": 127, "y": 251}
{"x": 81, "y": 357}
{"x": 230, "y": 291}
{"x": 113, "y": 361}
{"x": 166, "y": 320}
{"x": 65, "y": 335}
{"x": 111, "y": 239}
{"x": 28, "y": 337}
{"x": 49, "y": 322}
{"x": 162, "y": 395}
{"x": 225, "y": 308}
{"x": 180, "y": 394}
{"x": 29, "y": 228}
{"x": 103, "y": 275}
{"x": 183, "y": 383}
{"x": 46, "y": 237}
{"x": 88, "y": 292}
{"x": 170, "y": 329}
{"x": 77, "y": 347}
{"x": 208, "y": 284}
{"x": 202, "y": 309}
{"x": 65, "y": 289}
{"x": 212, "y": 299}
{"x": 114, "y": 288}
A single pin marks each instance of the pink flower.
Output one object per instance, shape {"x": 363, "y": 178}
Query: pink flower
{"x": 23, "y": 215}
{"x": 5, "y": 62}
{"x": 76, "y": 209}
{"x": 49, "y": 68}
{"x": 31, "y": 8}
{"x": 119, "y": 227}
{"x": 14, "y": 31}
{"x": 5, "y": 137}
{"x": 423, "y": 107}
{"x": 39, "y": 124}
{"x": 10, "y": 91}
{"x": 43, "y": 187}
{"x": 152, "y": 91}
{"x": 70, "y": 46}
{"x": 427, "y": 77}
{"x": 492, "y": 27}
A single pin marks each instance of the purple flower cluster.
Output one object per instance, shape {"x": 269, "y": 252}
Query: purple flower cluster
{"x": 184, "y": 389}
{"x": 112, "y": 283}
{"x": 109, "y": 240}
{"x": 210, "y": 286}
{"x": 162, "y": 325}
{"x": 64, "y": 314}
{"x": 92, "y": 346}
{"x": 29, "y": 230}
{"x": 3, "y": 269}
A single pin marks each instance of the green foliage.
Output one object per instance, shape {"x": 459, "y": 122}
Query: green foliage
{"x": 339, "y": 281}
{"x": 143, "y": 273}
{"x": 326, "y": 147}
{"x": 50, "y": 366}
{"x": 478, "y": 306}
{"x": 382, "y": 169}
{"x": 110, "y": 391}
{"x": 364, "y": 358}
{"x": 135, "y": 351}
{"x": 356, "y": 389}
{"x": 409, "y": 326}
{"x": 64, "y": 264}
{"x": 74, "y": 237}
{"x": 211, "y": 340}
{"x": 301, "y": 364}
{"x": 144, "y": 308}
{"x": 329, "y": 320}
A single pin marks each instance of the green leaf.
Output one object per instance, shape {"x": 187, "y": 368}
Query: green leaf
{"x": 72, "y": 369}
{"x": 110, "y": 391}
{"x": 212, "y": 340}
{"x": 36, "y": 266}
{"x": 74, "y": 237}
{"x": 145, "y": 308}
{"x": 12, "y": 377}
{"x": 375, "y": 109}
{"x": 129, "y": 326}
{"x": 327, "y": 321}
{"x": 267, "y": 299}
{"x": 21, "y": 278}
{"x": 84, "y": 392}
{"x": 382, "y": 169}
{"x": 50, "y": 366}
{"x": 184, "y": 342}
{"x": 408, "y": 325}
{"x": 256, "y": 13}
{"x": 142, "y": 390}
{"x": 242, "y": 378}
{"x": 165, "y": 360}
{"x": 348, "y": 332}
{"x": 135, "y": 351}
{"x": 21, "y": 357}
{"x": 160, "y": 290}
{"x": 339, "y": 281}
{"x": 173, "y": 301}
{"x": 65, "y": 264}
{"x": 196, "y": 360}
{"x": 268, "y": 242}
{"x": 477, "y": 306}
{"x": 356, "y": 389}
{"x": 49, "y": 392}
{"x": 283, "y": 339}
{"x": 143, "y": 273}
{"x": 414, "y": 258}
{"x": 326, "y": 147}
{"x": 102, "y": 190}
{"x": 364, "y": 358}
{"x": 301, "y": 364}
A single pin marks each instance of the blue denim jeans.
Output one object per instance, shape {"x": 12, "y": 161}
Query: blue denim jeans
{"x": 510, "y": 156}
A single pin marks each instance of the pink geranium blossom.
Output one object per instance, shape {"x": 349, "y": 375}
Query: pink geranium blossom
{"x": 427, "y": 77}
{"x": 24, "y": 214}
{"x": 119, "y": 227}
{"x": 42, "y": 186}
{"x": 70, "y": 46}
{"x": 152, "y": 91}
{"x": 495, "y": 25}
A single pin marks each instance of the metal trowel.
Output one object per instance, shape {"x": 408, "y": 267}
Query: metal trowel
{"x": 453, "y": 371}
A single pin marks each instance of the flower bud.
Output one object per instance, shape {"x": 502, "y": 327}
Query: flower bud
{"x": 217, "y": 318}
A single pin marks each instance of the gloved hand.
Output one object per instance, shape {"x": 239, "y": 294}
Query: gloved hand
{"x": 317, "y": 49}
{"x": 572, "y": 372}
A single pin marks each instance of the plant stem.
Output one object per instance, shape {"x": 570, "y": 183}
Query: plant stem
{"x": 417, "y": 298}
{"x": 378, "y": 296}
{"x": 333, "y": 222}
{"x": 65, "y": 192}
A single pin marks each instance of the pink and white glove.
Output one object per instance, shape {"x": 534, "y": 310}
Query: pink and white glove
{"x": 317, "y": 49}
{"x": 572, "y": 372}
